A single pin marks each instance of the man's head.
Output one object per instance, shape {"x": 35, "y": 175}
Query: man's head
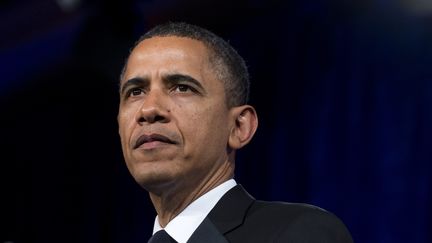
{"x": 226, "y": 62}
{"x": 179, "y": 123}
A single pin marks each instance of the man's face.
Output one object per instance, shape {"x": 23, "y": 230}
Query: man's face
{"x": 173, "y": 120}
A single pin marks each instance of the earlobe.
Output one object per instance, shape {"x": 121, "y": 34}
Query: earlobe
{"x": 246, "y": 123}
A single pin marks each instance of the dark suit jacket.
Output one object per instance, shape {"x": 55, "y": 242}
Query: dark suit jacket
{"x": 238, "y": 217}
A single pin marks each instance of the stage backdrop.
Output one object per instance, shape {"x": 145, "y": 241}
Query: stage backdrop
{"x": 343, "y": 92}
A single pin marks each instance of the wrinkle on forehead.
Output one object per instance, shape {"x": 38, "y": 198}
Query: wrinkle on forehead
{"x": 168, "y": 55}
{"x": 172, "y": 45}
{"x": 160, "y": 52}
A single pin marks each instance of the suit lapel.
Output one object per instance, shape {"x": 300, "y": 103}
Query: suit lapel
{"x": 207, "y": 232}
{"x": 231, "y": 210}
{"x": 227, "y": 214}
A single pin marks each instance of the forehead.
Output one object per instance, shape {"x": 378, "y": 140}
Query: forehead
{"x": 172, "y": 44}
{"x": 169, "y": 52}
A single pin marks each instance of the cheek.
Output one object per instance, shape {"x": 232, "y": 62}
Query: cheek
{"x": 126, "y": 122}
{"x": 206, "y": 127}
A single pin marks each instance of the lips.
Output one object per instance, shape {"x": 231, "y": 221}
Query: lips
{"x": 152, "y": 138}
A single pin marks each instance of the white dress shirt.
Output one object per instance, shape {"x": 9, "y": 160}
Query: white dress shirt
{"x": 184, "y": 224}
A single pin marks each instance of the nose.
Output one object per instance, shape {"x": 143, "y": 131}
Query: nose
{"x": 153, "y": 109}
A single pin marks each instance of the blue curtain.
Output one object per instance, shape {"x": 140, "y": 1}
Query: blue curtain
{"x": 343, "y": 93}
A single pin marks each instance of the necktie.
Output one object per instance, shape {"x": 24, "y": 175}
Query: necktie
{"x": 161, "y": 237}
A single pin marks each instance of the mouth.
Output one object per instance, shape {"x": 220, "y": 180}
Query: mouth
{"x": 152, "y": 139}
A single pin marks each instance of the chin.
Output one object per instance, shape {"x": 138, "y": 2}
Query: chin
{"x": 154, "y": 181}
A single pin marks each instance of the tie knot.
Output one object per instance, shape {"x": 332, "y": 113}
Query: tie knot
{"x": 161, "y": 237}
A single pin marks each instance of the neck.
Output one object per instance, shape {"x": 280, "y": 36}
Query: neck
{"x": 170, "y": 202}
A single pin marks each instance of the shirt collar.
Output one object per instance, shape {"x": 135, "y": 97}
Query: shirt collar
{"x": 184, "y": 224}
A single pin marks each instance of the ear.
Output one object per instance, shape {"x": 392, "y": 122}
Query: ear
{"x": 244, "y": 127}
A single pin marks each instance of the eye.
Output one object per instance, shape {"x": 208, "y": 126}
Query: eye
{"x": 182, "y": 88}
{"x": 135, "y": 92}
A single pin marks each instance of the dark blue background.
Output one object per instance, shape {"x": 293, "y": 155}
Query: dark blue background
{"x": 343, "y": 91}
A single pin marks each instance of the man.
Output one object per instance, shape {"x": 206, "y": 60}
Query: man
{"x": 183, "y": 114}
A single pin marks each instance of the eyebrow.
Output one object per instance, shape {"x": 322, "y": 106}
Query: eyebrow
{"x": 138, "y": 81}
{"x": 169, "y": 79}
